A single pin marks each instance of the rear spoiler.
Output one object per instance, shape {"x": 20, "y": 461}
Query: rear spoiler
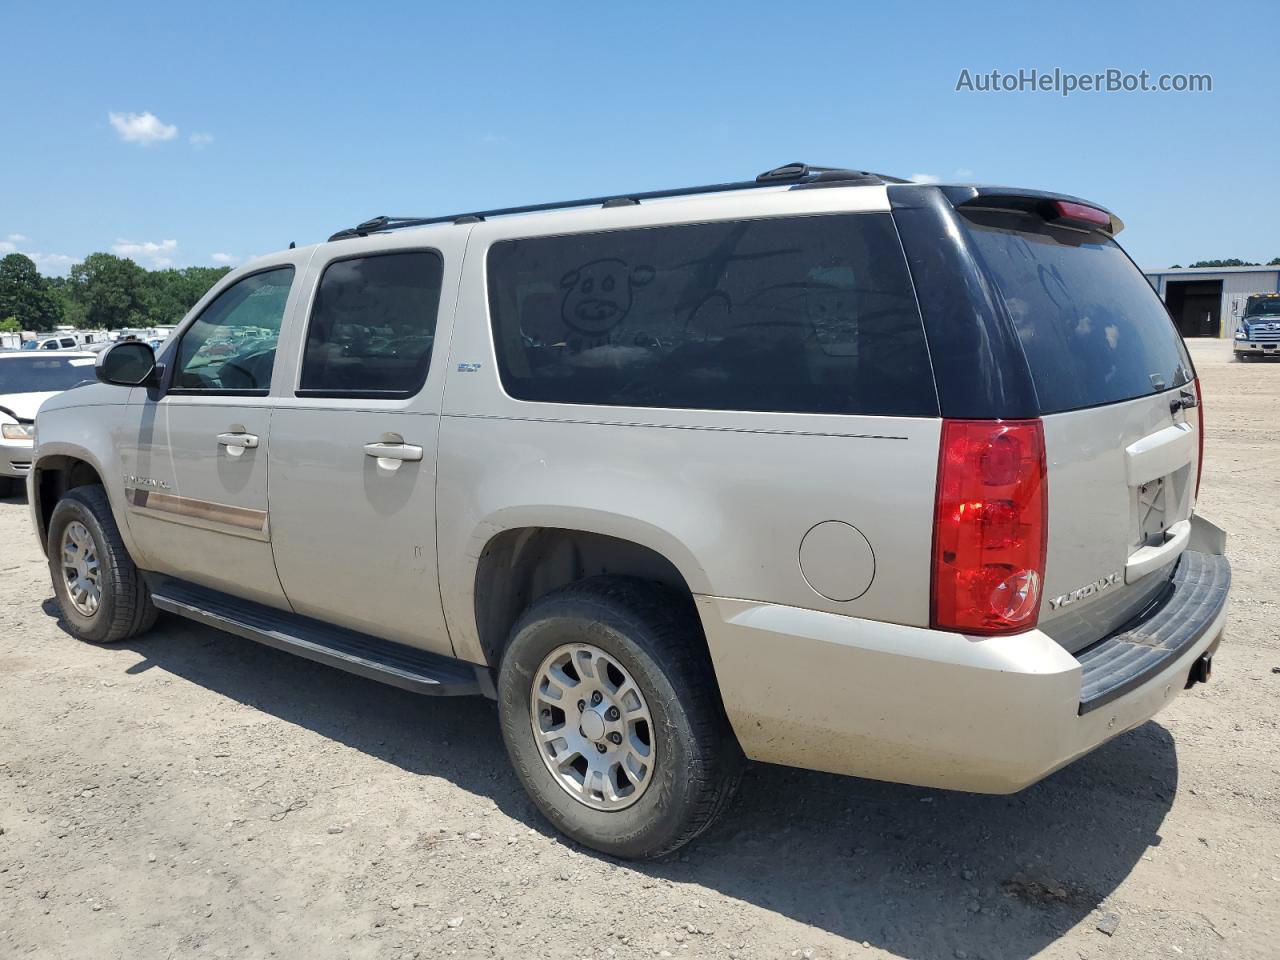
{"x": 1053, "y": 207}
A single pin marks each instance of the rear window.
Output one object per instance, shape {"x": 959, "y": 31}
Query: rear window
{"x": 44, "y": 374}
{"x": 1092, "y": 328}
{"x": 373, "y": 326}
{"x": 803, "y": 314}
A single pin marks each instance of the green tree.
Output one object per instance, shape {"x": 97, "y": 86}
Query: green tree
{"x": 108, "y": 291}
{"x": 24, "y": 294}
{"x": 1274, "y": 263}
{"x": 171, "y": 293}
{"x": 1224, "y": 263}
{"x": 10, "y": 325}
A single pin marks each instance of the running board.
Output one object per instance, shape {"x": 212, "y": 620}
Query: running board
{"x": 393, "y": 663}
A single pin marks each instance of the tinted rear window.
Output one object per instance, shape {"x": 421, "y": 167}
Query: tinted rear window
{"x": 1092, "y": 329}
{"x": 805, "y": 314}
{"x": 373, "y": 326}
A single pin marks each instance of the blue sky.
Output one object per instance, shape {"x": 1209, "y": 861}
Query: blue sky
{"x": 269, "y": 123}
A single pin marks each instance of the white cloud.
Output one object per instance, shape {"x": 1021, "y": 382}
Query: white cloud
{"x": 144, "y": 128}
{"x": 53, "y": 263}
{"x": 46, "y": 263}
{"x": 224, "y": 259}
{"x": 158, "y": 255}
{"x": 925, "y": 178}
{"x": 200, "y": 140}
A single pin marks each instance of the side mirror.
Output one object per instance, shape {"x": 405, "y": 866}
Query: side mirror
{"x": 130, "y": 363}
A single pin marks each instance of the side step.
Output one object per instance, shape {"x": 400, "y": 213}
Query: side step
{"x": 394, "y": 663}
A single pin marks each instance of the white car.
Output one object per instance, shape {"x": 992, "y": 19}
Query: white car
{"x": 27, "y": 380}
{"x": 62, "y": 342}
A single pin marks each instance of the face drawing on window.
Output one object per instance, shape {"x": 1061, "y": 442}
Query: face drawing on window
{"x": 597, "y": 295}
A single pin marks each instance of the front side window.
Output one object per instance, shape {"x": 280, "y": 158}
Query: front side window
{"x": 231, "y": 347}
{"x": 373, "y": 326}
{"x": 800, "y": 314}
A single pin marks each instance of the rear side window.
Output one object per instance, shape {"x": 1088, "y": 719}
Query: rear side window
{"x": 373, "y": 326}
{"x": 1092, "y": 329}
{"x": 803, "y": 315}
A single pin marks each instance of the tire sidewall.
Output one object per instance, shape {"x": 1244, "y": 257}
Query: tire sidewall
{"x": 658, "y": 817}
{"x": 95, "y": 628}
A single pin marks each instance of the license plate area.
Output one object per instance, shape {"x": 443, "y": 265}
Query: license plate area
{"x": 1153, "y": 515}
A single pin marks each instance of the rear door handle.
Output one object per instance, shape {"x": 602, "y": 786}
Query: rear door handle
{"x": 393, "y": 451}
{"x": 246, "y": 441}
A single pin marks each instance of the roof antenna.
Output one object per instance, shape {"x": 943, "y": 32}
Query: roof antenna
{"x": 292, "y": 244}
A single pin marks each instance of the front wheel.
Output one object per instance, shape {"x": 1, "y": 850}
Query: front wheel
{"x": 102, "y": 594}
{"x": 612, "y": 719}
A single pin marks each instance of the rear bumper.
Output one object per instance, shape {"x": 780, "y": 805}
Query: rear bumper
{"x": 990, "y": 715}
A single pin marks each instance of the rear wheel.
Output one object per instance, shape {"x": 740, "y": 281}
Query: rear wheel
{"x": 612, "y": 719}
{"x": 101, "y": 592}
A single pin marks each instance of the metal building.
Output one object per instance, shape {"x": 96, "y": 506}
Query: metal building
{"x": 1208, "y": 301}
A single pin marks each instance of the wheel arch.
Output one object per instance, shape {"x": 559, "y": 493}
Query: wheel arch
{"x": 516, "y": 563}
{"x": 59, "y": 468}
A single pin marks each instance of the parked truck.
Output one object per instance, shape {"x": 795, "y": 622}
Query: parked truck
{"x": 1258, "y": 334}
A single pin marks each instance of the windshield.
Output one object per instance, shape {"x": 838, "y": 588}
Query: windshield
{"x": 1092, "y": 329}
{"x": 43, "y": 374}
{"x": 1270, "y": 307}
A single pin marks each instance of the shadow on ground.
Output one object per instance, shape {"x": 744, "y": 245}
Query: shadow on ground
{"x": 921, "y": 873}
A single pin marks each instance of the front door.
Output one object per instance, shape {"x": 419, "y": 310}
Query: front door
{"x": 353, "y": 450}
{"x": 197, "y": 490}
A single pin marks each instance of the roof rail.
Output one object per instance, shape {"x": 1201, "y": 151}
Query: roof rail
{"x": 796, "y": 174}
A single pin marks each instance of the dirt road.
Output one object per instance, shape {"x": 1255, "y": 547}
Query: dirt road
{"x": 193, "y": 794}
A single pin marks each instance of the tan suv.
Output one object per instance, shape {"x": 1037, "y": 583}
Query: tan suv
{"x": 823, "y": 469}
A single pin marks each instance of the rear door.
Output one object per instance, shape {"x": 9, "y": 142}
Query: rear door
{"x": 1117, "y": 395}
{"x": 353, "y": 461}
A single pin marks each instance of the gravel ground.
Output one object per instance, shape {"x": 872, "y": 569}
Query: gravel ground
{"x": 193, "y": 794}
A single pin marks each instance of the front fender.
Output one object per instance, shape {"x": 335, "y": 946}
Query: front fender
{"x": 60, "y": 455}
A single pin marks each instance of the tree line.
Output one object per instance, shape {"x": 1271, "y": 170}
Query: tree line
{"x": 103, "y": 292}
{"x": 1233, "y": 262}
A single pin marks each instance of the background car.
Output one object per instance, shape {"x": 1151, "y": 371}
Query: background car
{"x": 28, "y": 379}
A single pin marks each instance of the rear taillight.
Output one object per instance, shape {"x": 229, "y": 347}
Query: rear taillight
{"x": 1199, "y": 436}
{"x": 990, "y": 526}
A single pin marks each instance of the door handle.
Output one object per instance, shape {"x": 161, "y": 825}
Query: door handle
{"x": 246, "y": 441}
{"x": 393, "y": 451}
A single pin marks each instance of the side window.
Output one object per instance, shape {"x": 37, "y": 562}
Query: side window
{"x": 49, "y": 345}
{"x": 799, "y": 314}
{"x": 373, "y": 326}
{"x": 231, "y": 347}
{"x": 67, "y": 343}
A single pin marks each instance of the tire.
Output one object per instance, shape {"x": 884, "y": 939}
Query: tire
{"x": 653, "y": 634}
{"x": 1244, "y": 357}
{"x": 124, "y": 608}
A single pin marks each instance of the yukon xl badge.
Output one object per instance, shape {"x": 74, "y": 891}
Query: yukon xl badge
{"x": 1088, "y": 590}
{"x": 152, "y": 483}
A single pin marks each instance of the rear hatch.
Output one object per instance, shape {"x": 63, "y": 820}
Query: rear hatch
{"x": 1118, "y": 399}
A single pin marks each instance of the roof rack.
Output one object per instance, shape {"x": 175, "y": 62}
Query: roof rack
{"x": 796, "y": 174}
